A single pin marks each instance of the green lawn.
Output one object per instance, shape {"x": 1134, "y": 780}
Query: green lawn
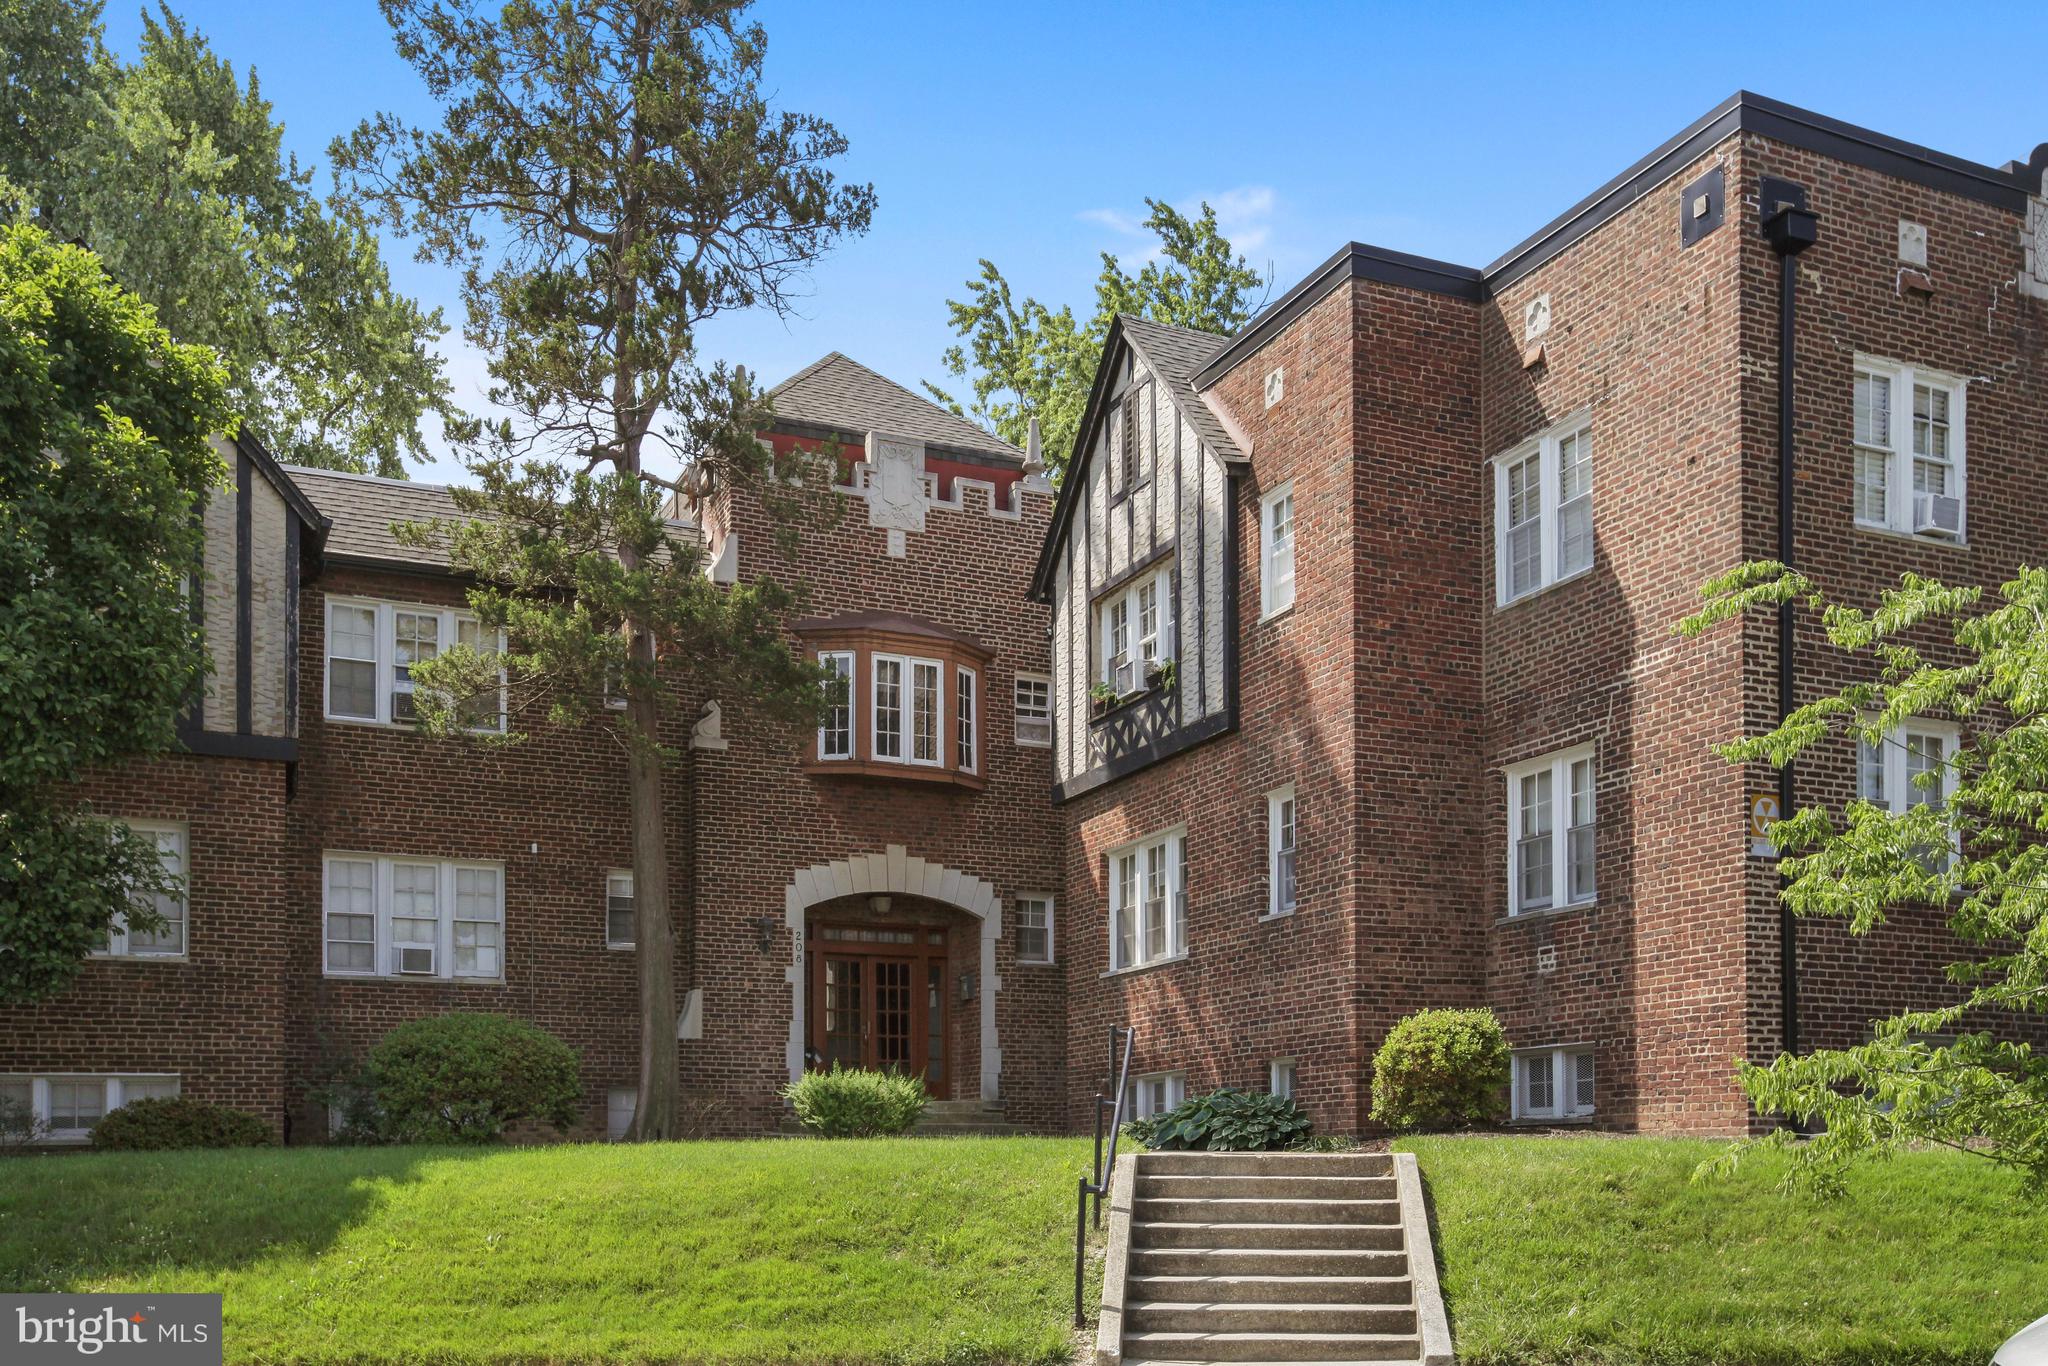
{"x": 893, "y": 1250}
{"x": 1599, "y": 1251}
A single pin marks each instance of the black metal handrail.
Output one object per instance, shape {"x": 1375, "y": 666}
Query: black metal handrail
{"x": 1097, "y": 1182}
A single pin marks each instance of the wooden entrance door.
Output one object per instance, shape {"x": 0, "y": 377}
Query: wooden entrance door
{"x": 878, "y": 1000}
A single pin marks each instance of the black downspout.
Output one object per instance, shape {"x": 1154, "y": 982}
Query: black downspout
{"x": 1791, "y": 230}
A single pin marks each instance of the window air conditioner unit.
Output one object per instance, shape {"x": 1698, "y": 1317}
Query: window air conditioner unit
{"x": 1124, "y": 676}
{"x": 416, "y": 958}
{"x": 1937, "y": 513}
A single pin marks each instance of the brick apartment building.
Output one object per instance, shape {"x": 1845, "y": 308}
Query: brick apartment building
{"x": 1338, "y": 682}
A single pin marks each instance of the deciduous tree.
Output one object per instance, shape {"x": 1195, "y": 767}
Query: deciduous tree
{"x": 1026, "y": 360}
{"x": 104, "y": 465}
{"x": 1958, "y": 1074}
{"x": 607, "y": 176}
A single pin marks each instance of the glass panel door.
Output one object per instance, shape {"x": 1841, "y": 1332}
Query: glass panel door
{"x": 845, "y": 1008}
{"x": 892, "y": 1034}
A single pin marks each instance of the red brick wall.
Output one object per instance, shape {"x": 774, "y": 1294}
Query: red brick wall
{"x": 215, "y": 1017}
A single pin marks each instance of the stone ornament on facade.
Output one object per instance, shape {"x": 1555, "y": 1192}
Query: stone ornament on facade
{"x": 706, "y": 734}
{"x": 895, "y": 484}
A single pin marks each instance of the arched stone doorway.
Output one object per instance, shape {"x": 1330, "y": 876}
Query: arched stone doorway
{"x": 894, "y": 872}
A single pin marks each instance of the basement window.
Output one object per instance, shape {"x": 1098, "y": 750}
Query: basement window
{"x": 1909, "y": 444}
{"x": 1543, "y": 511}
{"x": 67, "y": 1108}
{"x": 1553, "y": 1083}
{"x": 1154, "y": 1094}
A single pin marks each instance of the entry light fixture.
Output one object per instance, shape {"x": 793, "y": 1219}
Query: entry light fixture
{"x": 879, "y": 904}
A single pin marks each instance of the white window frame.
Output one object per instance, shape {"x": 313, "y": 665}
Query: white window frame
{"x": 612, "y": 878}
{"x": 116, "y": 1090}
{"x": 1030, "y": 711}
{"x": 1276, "y": 579}
{"x": 386, "y": 618}
{"x": 966, "y": 719}
{"x": 1282, "y": 894}
{"x": 615, "y": 1130}
{"x": 1546, "y": 447}
{"x": 1283, "y": 1075}
{"x": 383, "y": 952}
{"x": 1893, "y": 756}
{"x": 1164, "y": 856}
{"x": 1043, "y": 901}
{"x": 1560, "y": 1064}
{"x": 1155, "y": 1093}
{"x": 1560, "y": 766}
{"x": 906, "y": 710}
{"x": 1161, "y": 640}
{"x": 1900, "y": 456}
{"x": 850, "y": 705}
{"x": 119, "y": 943}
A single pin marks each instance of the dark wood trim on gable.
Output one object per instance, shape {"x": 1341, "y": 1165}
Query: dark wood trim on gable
{"x": 245, "y": 610}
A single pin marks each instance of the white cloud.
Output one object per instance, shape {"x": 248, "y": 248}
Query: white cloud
{"x": 1245, "y": 214}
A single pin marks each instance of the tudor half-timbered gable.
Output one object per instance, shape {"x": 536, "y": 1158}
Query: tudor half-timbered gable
{"x": 1139, "y": 568}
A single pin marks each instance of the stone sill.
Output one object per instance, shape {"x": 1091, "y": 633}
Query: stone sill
{"x": 1913, "y": 537}
{"x": 1155, "y": 964}
{"x": 1547, "y": 913}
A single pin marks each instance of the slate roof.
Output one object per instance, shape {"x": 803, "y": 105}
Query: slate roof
{"x": 1175, "y": 354}
{"x": 841, "y": 394}
{"x": 362, "y": 508}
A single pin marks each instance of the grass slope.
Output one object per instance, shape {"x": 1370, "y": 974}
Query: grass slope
{"x": 894, "y": 1250}
{"x": 1600, "y": 1251}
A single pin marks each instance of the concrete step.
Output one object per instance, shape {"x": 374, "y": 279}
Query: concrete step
{"x": 1195, "y": 1233}
{"x": 1236, "y": 1210}
{"x": 963, "y": 1107}
{"x": 1265, "y": 1164}
{"x": 1147, "y": 1316}
{"x": 1258, "y": 1262}
{"x": 1291, "y": 1347}
{"x": 1159, "y": 1288}
{"x": 1214, "y": 1187}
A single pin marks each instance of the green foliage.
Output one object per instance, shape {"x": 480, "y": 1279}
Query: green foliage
{"x": 461, "y": 1078}
{"x": 1440, "y": 1069}
{"x": 851, "y": 1103}
{"x": 1941, "y": 1075}
{"x": 20, "y": 1129}
{"x": 104, "y": 464}
{"x": 1226, "y": 1120}
{"x": 172, "y": 170}
{"x": 175, "y": 1122}
{"x": 1025, "y": 360}
{"x": 607, "y": 177}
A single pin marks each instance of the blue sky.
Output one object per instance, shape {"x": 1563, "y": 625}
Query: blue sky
{"x": 1031, "y": 134}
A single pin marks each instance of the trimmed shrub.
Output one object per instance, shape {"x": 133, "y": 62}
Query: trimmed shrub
{"x": 1226, "y": 1120}
{"x": 174, "y": 1122}
{"x": 848, "y": 1103}
{"x": 462, "y": 1078}
{"x": 1441, "y": 1069}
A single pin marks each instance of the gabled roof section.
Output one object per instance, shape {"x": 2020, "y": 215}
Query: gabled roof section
{"x": 1175, "y": 355}
{"x": 362, "y": 507}
{"x": 274, "y": 474}
{"x": 1172, "y": 354}
{"x": 838, "y": 394}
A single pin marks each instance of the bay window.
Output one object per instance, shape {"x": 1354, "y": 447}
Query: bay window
{"x": 902, "y": 699}
{"x": 1147, "y": 902}
{"x": 1551, "y": 824}
{"x": 835, "y": 737}
{"x": 963, "y": 719}
{"x": 1543, "y": 511}
{"x": 1909, "y": 445}
{"x": 407, "y": 917}
{"x": 372, "y": 646}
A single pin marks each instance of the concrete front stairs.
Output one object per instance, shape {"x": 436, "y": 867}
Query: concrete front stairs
{"x": 1269, "y": 1257}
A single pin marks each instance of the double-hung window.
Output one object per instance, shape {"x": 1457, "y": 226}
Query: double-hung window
{"x": 1276, "y": 551}
{"x": 1137, "y": 629}
{"x": 1032, "y": 723}
{"x": 909, "y": 715}
{"x": 1553, "y": 1083}
{"x": 1280, "y": 839}
{"x": 835, "y": 737}
{"x": 1909, "y": 443}
{"x": 1148, "y": 901}
{"x": 1543, "y": 511}
{"x": 1914, "y": 765}
{"x": 1034, "y": 929}
{"x": 410, "y": 917}
{"x": 372, "y": 646}
{"x": 167, "y": 941}
{"x": 964, "y": 682}
{"x": 619, "y": 927}
{"x": 1550, "y": 831}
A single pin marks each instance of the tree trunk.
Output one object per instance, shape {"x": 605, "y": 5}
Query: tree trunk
{"x": 653, "y": 928}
